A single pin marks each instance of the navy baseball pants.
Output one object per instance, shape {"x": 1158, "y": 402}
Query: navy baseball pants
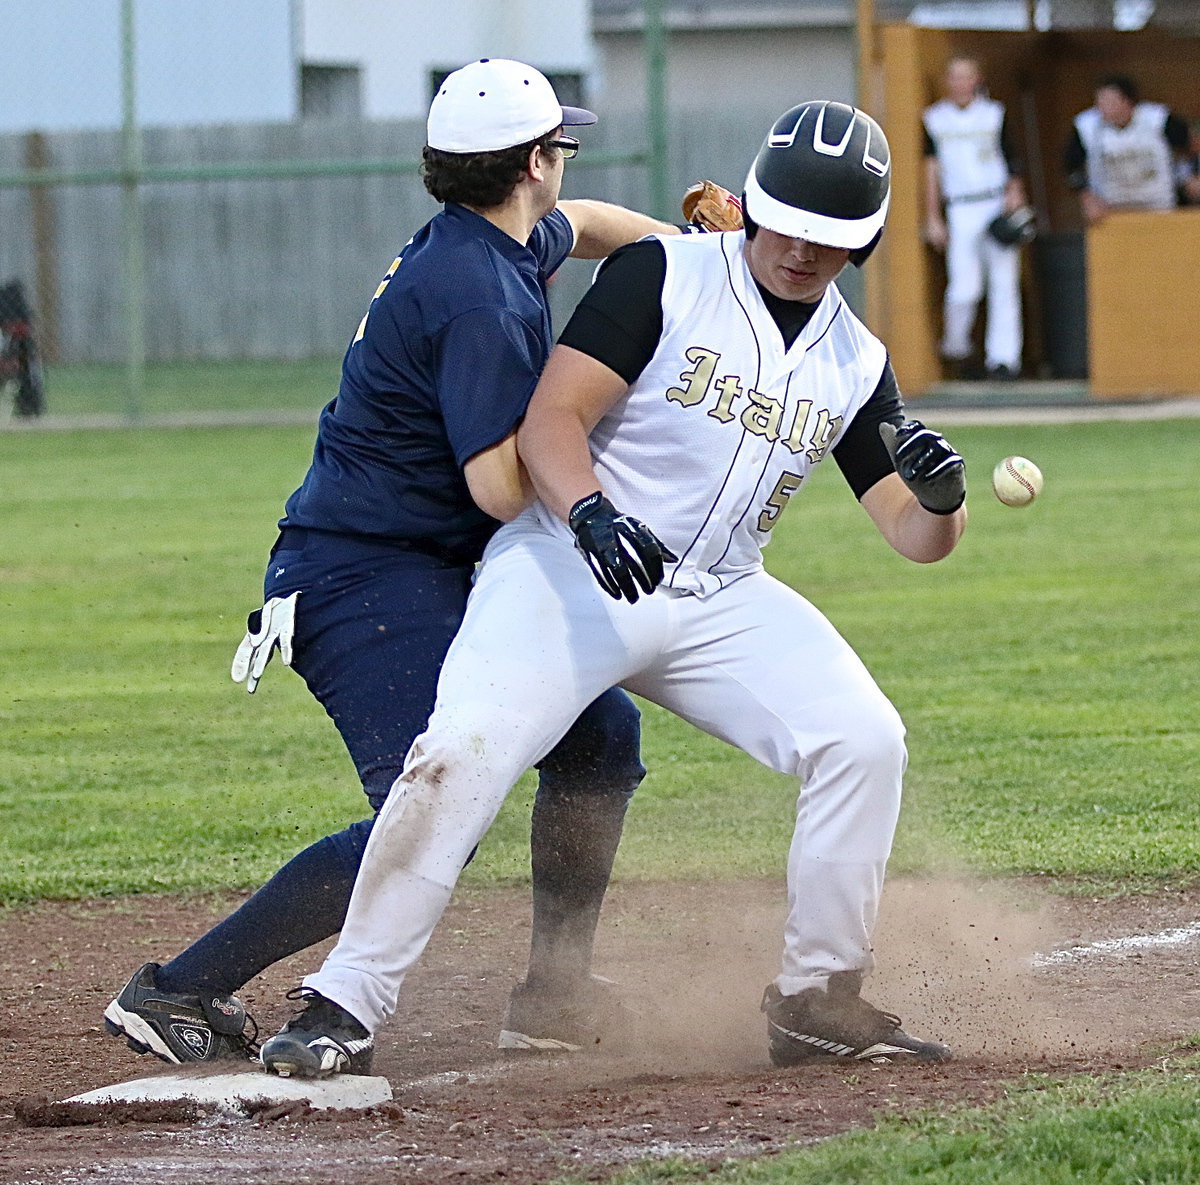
{"x": 373, "y": 624}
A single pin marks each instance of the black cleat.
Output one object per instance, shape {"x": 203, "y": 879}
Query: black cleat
{"x": 179, "y": 1027}
{"x": 541, "y": 1020}
{"x": 818, "y": 1026}
{"x": 322, "y": 1039}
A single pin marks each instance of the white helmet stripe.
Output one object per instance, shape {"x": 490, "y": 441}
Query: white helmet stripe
{"x": 876, "y": 165}
{"x": 825, "y": 148}
{"x": 787, "y": 220}
{"x": 785, "y": 139}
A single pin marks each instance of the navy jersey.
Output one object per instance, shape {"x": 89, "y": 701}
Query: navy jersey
{"x": 442, "y": 367}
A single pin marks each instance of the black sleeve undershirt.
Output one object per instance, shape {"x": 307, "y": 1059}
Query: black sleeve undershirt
{"x": 861, "y": 454}
{"x": 1177, "y": 132}
{"x": 1008, "y": 149}
{"x": 1075, "y": 161}
{"x": 619, "y": 322}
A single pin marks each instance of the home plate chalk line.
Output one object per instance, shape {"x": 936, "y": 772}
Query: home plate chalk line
{"x": 1179, "y": 936}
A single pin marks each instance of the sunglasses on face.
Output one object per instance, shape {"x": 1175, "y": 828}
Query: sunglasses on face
{"x": 567, "y": 145}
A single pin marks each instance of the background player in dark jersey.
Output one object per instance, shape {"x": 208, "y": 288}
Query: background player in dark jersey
{"x": 414, "y": 468}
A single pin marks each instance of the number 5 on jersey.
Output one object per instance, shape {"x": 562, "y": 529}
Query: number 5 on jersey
{"x": 785, "y": 487}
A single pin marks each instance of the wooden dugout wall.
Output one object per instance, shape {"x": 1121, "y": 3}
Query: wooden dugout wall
{"x": 1044, "y": 80}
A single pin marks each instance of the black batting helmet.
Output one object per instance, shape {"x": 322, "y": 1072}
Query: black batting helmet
{"x": 823, "y": 174}
{"x": 1014, "y": 228}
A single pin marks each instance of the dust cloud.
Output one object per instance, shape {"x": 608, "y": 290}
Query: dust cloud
{"x": 954, "y": 959}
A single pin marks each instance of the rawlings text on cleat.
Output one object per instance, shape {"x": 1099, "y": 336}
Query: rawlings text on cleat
{"x": 178, "y": 1027}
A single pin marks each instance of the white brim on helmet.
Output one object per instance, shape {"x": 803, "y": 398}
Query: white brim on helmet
{"x": 850, "y": 233}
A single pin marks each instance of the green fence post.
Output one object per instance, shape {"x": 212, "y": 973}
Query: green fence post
{"x": 655, "y": 47}
{"x": 132, "y": 244}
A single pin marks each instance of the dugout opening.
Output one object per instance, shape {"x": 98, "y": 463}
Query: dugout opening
{"x": 1133, "y": 264}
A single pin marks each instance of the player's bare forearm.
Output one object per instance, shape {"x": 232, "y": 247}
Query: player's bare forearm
{"x": 1014, "y": 194}
{"x": 572, "y": 395}
{"x": 933, "y": 188}
{"x": 910, "y": 529}
{"x": 600, "y": 227}
{"x": 1095, "y": 208}
{"x": 559, "y": 464}
{"x": 936, "y": 234}
{"x": 498, "y": 482}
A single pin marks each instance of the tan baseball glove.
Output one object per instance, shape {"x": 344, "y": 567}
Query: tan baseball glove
{"x": 706, "y": 204}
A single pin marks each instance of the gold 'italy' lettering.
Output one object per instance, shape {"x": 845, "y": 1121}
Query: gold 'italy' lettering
{"x": 795, "y": 437}
{"x": 824, "y": 432}
{"x": 696, "y": 380}
{"x": 762, "y": 416}
{"x": 730, "y": 388}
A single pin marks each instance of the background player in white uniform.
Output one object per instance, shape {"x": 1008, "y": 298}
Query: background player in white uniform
{"x": 971, "y": 171}
{"x": 1122, "y": 152}
{"x": 755, "y": 371}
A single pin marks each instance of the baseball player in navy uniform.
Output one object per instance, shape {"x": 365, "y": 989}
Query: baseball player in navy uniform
{"x": 693, "y": 392}
{"x": 1122, "y": 153}
{"x": 414, "y": 468}
{"x": 972, "y": 175}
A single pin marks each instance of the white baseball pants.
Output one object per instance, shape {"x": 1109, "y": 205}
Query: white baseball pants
{"x": 755, "y": 665}
{"x": 974, "y": 259}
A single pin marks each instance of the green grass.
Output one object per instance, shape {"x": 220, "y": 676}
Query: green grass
{"x": 1047, "y": 672}
{"x": 182, "y": 387}
{"x": 1131, "y": 1129}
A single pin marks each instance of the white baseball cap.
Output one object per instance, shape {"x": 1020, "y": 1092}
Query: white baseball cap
{"x": 496, "y": 103}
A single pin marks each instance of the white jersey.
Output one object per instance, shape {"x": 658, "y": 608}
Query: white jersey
{"x": 1133, "y": 165}
{"x": 971, "y": 164}
{"x": 737, "y": 420}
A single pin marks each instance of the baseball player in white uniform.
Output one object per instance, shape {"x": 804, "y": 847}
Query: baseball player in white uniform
{"x": 699, "y": 384}
{"x": 1123, "y": 152}
{"x": 971, "y": 174}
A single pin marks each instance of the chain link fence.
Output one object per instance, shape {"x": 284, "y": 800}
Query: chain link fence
{"x": 194, "y": 213}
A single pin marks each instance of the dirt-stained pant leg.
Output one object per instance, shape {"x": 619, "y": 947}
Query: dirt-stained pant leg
{"x": 519, "y": 672}
{"x": 760, "y": 667}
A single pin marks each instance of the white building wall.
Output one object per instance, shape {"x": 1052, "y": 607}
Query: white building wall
{"x": 220, "y": 61}
{"x": 397, "y": 43}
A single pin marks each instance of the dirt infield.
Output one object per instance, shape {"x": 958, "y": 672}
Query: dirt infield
{"x": 964, "y": 963}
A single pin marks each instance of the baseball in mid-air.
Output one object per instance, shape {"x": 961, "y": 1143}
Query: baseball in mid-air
{"x": 1016, "y": 481}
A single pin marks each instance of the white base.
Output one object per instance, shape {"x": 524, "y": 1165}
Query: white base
{"x": 235, "y": 1091}
{"x": 510, "y": 1040}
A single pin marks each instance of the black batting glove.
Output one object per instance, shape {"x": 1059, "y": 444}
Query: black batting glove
{"x": 927, "y": 465}
{"x": 622, "y": 553}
